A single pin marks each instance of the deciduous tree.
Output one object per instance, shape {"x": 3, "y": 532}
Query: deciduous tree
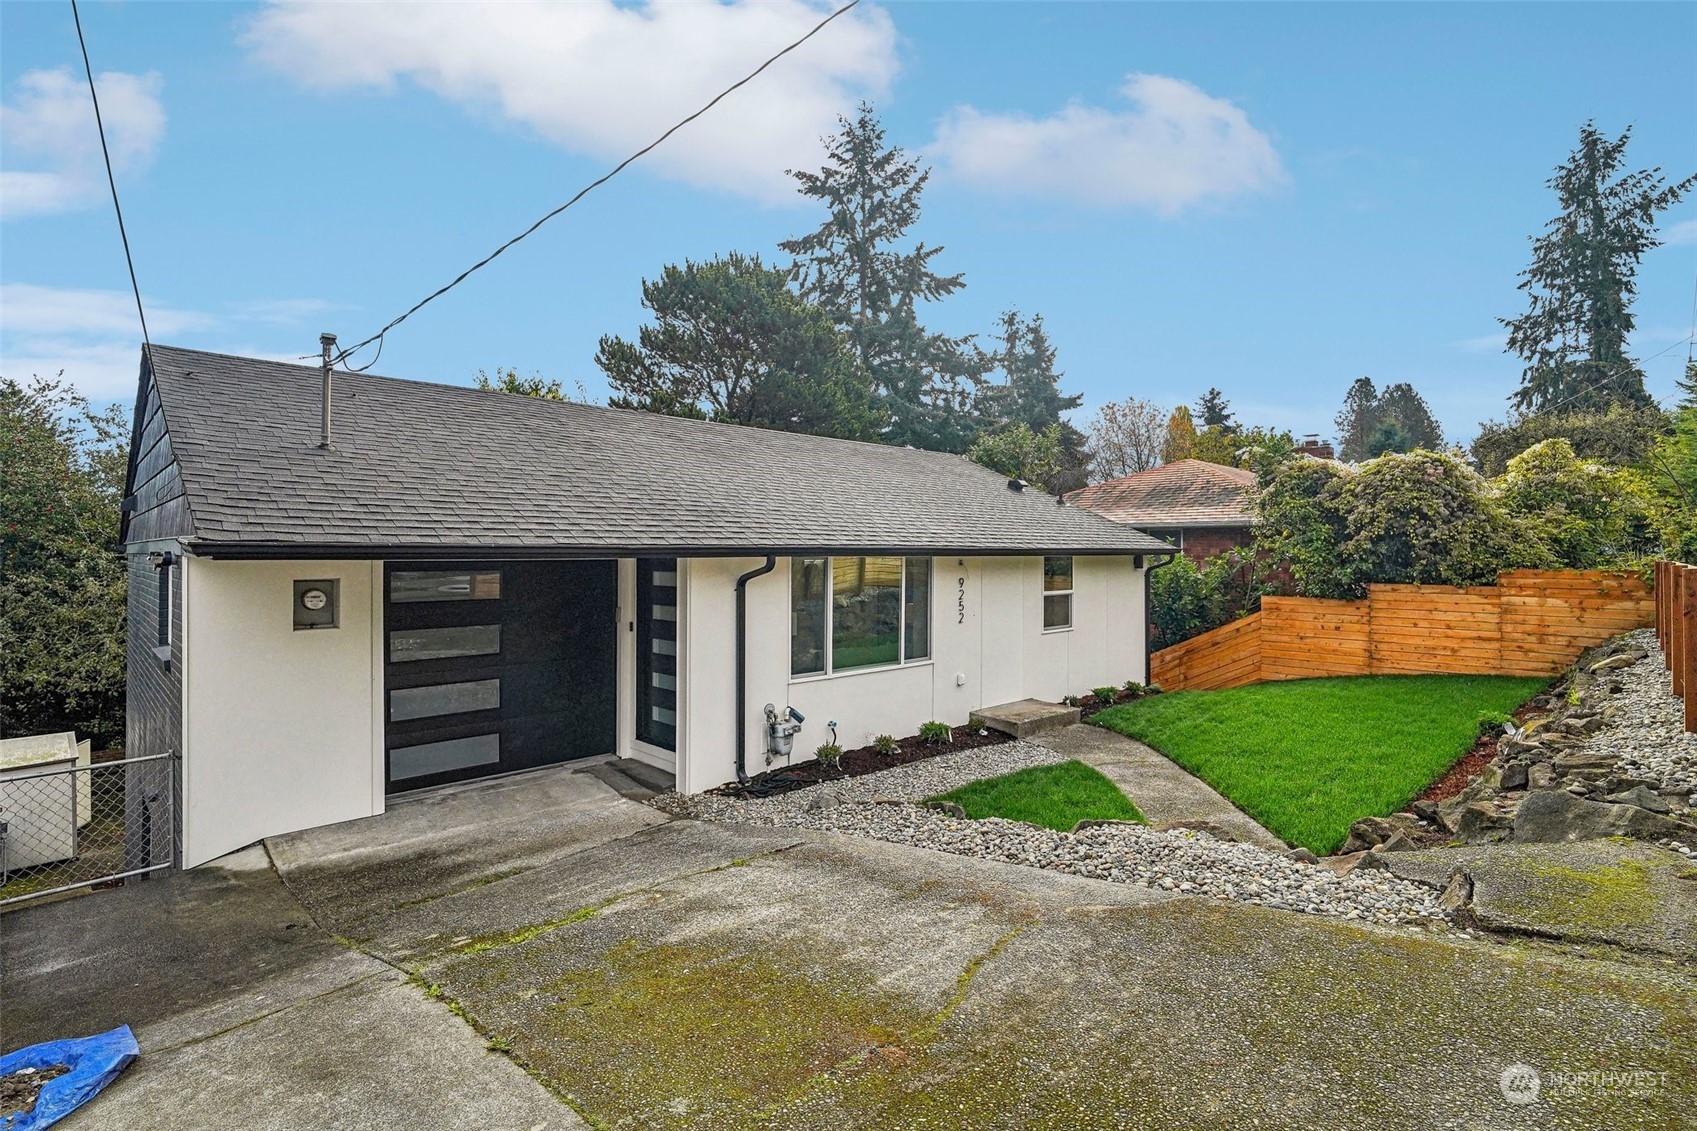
{"x": 1126, "y": 437}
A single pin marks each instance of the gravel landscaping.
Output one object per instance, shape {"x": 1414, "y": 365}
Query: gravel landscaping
{"x": 1645, "y": 723}
{"x": 888, "y": 806}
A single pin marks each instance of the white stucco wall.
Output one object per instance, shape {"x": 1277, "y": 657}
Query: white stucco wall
{"x": 282, "y": 728}
{"x": 988, "y": 647}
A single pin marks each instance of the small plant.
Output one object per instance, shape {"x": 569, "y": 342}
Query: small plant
{"x": 1071, "y": 701}
{"x": 1492, "y": 722}
{"x": 886, "y": 745}
{"x": 935, "y": 733}
{"x": 829, "y": 753}
{"x": 1105, "y": 694}
{"x": 1132, "y": 687}
{"x": 1153, "y": 689}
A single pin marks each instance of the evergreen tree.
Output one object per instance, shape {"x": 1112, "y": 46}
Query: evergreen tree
{"x": 1581, "y": 282}
{"x": 1374, "y": 421}
{"x": 1215, "y": 411}
{"x": 856, "y": 267}
{"x": 1408, "y": 409}
{"x": 731, "y": 342}
{"x": 1030, "y": 394}
{"x": 1357, "y": 419}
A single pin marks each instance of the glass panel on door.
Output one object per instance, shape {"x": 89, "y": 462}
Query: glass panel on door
{"x": 657, "y": 652}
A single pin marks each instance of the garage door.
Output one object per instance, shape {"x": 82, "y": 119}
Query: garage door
{"x": 496, "y": 666}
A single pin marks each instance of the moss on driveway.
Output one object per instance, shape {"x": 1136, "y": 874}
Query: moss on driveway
{"x": 859, "y": 984}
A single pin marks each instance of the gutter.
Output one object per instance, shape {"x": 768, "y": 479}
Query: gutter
{"x": 1148, "y": 619}
{"x": 742, "y": 661}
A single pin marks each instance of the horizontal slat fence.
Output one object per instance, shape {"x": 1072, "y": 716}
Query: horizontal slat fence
{"x": 1676, "y": 632}
{"x": 1532, "y": 622}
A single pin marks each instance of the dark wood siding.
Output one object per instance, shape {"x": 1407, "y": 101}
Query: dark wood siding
{"x": 154, "y": 718}
{"x": 159, "y": 507}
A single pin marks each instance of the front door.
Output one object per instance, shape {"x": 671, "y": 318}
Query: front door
{"x": 496, "y": 666}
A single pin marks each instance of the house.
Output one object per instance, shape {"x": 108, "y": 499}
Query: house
{"x": 345, "y": 589}
{"x": 1204, "y": 509}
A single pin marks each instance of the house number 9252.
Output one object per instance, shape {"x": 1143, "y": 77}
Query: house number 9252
{"x": 960, "y": 600}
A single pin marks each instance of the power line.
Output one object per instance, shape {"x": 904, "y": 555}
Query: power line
{"x": 587, "y": 189}
{"x": 1614, "y": 371}
{"x": 146, "y": 342}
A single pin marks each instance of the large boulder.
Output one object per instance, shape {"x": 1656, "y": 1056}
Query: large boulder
{"x": 1556, "y": 816}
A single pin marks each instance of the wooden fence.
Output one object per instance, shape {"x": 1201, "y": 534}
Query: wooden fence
{"x": 1676, "y": 630}
{"x": 1532, "y": 622}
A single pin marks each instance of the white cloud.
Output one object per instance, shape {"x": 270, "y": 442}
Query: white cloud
{"x": 1174, "y": 147}
{"x": 49, "y": 127}
{"x": 605, "y": 78}
{"x": 1683, "y": 232}
{"x": 93, "y": 337}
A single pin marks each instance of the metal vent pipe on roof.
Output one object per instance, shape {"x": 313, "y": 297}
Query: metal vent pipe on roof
{"x": 328, "y": 343}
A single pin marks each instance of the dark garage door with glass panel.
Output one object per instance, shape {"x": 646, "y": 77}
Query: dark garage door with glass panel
{"x": 496, "y": 667}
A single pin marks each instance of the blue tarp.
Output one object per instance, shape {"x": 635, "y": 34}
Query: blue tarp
{"x": 94, "y": 1062}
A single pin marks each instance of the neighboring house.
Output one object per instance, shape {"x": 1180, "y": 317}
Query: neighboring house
{"x": 468, "y": 583}
{"x": 1202, "y": 508}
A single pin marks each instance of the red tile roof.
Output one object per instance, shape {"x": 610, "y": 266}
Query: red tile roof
{"x": 1187, "y": 492}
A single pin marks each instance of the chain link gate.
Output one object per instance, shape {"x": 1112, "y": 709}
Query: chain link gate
{"x": 80, "y": 826}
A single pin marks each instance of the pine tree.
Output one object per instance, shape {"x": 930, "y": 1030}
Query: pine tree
{"x": 854, "y": 267}
{"x": 1215, "y": 411}
{"x": 1357, "y": 419}
{"x": 731, "y": 342}
{"x": 1404, "y": 406}
{"x": 1030, "y": 394}
{"x": 1581, "y": 282}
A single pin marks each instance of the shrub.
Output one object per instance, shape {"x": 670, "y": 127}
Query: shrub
{"x": 1428, "y": 518}
{"x": 886, "y": 745}
{"x": 1132, "y": 687}
{"x": 1186, "y": 599}
{"x": 829, "y": 753}
{"x": 935, "y": 733}
{"x": 1620, "y": 437}
{"x": 1491, "y": 722}
{"x": 1105, "y": 694}
{"x": 1300, "y": 522}
{"x": 1071, "y": 701}
{"x": 1586, "y": 515}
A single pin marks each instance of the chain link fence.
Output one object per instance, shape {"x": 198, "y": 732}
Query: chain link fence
{"x": 78, "y": 826}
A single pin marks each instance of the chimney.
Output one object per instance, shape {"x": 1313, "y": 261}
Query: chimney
{"x": 328, "y": 343}
{"x": 1312, "y": 445}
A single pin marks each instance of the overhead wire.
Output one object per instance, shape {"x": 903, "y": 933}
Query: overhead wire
{"x": 112, "y": 183}
{"x": 379, "y": 336}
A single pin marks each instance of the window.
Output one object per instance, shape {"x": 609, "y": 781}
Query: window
{"x": 657, "y": 652}
{"x": 1057, "y": 593}
{"x": 850, "y": 613}
{"x": 406, "y": 586}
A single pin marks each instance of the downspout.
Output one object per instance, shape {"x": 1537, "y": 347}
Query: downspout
{"x": 742, "y": 661}
{"x": 1148, "y": 619}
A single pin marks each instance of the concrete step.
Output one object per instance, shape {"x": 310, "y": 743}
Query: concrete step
{"x": 1026, "y": 717}
{"x": 613, "y": 775}
{"x": 649, "y": 777}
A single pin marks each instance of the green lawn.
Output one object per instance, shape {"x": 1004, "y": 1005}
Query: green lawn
{"x": 1308, "y": 757}
{"x": 1056, "y": 797}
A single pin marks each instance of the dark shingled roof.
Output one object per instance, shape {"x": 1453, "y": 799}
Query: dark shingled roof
{"x": 424, "y": 469}
{"x": 1186, "y": 492}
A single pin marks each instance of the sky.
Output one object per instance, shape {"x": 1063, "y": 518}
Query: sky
{"x": 1272, "y": 198}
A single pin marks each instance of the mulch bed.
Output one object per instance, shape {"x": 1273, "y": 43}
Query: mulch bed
{"x": 18, "y": 1090}
{"x": 1473, "y": 763}
{"x": 864, "y": 760}
{"x": 1089, "y": 705}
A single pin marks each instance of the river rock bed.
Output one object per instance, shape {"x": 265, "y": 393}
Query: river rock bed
{"x": 1645, "y": 728}
{"x": 889, "y": 806}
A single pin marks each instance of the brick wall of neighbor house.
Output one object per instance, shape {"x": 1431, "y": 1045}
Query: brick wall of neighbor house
{"x": 1204, "y": 542}
{"x": 153, "y": 707}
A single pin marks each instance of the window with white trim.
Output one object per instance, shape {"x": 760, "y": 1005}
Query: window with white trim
{"x": 1057, "y": 593}
{"x": 853, "y": 613}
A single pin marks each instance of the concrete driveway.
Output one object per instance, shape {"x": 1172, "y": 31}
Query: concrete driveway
{"x": 634, "y": 972}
